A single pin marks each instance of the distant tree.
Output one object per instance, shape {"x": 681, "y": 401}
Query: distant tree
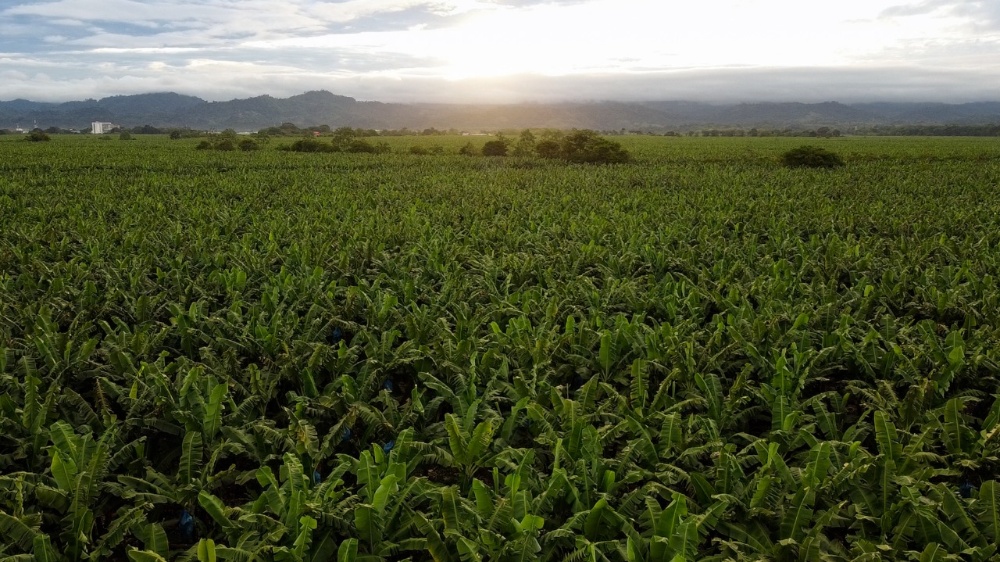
{"x": 587, "y": 146}
{"x": 468, "y": 150}
{"x": 310, "y": 145}
{"x": 548, "y": 149}
{"x": 37, "y": 135}
{"x": 551, "y": 135}
{"x": 811, "y": 157}
{"x": 343, "y": 137}
{"x": 525, "y": 145}
{"x": 496, "y": 147}
{"x": 175, "y": 134}
{"x": 357, "y": 146}
{"x": 124, "y": 135}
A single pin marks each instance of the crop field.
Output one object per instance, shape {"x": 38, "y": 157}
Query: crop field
{"x": 698, "y": 355}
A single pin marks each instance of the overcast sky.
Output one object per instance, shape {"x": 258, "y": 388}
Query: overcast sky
{"x": 504, "y": 50}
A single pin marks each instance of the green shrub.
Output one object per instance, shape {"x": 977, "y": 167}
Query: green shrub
{"x": 310, "y": 145}
{"x": 204, "y": 145}
{"x": 419, "y": 150}
{"x": 468, "y": 150}
{"x": 495, "y": 148}
{"x": 588, "y": 147}
{"x": 124, "y": 135}
{"x": 811, "y": 157}
{"x": 37, "y": 136}
{"x": 247, "y": 145}
{"x": 525, "y": 145}
{"x": 548, "y": 149}
{"x": 358, "y": 146}
{"x": 226, "y": 145}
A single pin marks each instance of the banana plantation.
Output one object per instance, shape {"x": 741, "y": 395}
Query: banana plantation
{"x": 697, "y": 355}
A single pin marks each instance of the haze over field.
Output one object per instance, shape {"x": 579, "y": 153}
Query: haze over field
{"x": 473, "y": 51}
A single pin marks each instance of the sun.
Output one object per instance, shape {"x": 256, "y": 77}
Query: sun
{"x": 609, "y": 36}
{"x": 506, "y": 42}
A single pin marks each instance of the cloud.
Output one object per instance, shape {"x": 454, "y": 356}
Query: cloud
{"x": 523, "y": 3}
{"x": 218, "y": 80}
{"x": 353, "y": 10}
{"x": 916, "y": 8}
{"x": 980, "y": 14}
{"x": 503, "y": 50}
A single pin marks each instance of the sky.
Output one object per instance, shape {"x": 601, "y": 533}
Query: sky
{"x": 503, "y": 51}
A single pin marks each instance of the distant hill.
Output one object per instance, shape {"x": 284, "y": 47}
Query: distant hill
{"x": 324, "y": 108}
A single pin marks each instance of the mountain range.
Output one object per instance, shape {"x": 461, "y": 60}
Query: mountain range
{"x": 325, "y": 108}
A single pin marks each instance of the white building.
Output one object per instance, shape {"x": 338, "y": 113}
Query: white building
{"x": 99, "y": 127}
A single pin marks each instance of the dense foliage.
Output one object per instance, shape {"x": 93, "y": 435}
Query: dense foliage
{"x": 37, "y": 136}
{"x": 811, "y": 157}
{"x": 698, "y": 355}
{"x": 496, "y": 147}
{"x": 310, "y": 145}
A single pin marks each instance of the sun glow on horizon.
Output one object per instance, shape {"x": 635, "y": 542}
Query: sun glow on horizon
{"x": 641, "y": 35}
{"x": 503, "y": 45}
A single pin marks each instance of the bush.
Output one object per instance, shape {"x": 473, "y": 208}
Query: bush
{"x": 811, "y": 157}
{"x": 124, "y": 135}
{"x": 419, "y": 150}
{"x": 467, "y": 150}
{"x": 358, "y": 146}
{"x": 310, "y": 145}
{"x": 495, "y": 148}
{"x": 226, "y": 145}
{"x": 204, "y": 145}
{"x": 588, "y": 147}
{"x": 525, "y": 145}
{"x": 247, "y": 145}
{"x": 37, "y": 136}
{"x": 548, "y": 149}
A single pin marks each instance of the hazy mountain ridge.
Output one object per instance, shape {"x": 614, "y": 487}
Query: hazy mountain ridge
{"x": 321, "y": 107}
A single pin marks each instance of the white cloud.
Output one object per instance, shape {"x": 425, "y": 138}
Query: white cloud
{"x": 352, "y": 10}
{"x": 441, "y": 50}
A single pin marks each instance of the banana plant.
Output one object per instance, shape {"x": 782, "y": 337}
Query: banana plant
{"x": 281, "y": 523}
{"x": 21, "y": 530}
{"x": 469, "y": 442}
{"x": 78, "y": 468}
{"x": 24, "y": 427}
